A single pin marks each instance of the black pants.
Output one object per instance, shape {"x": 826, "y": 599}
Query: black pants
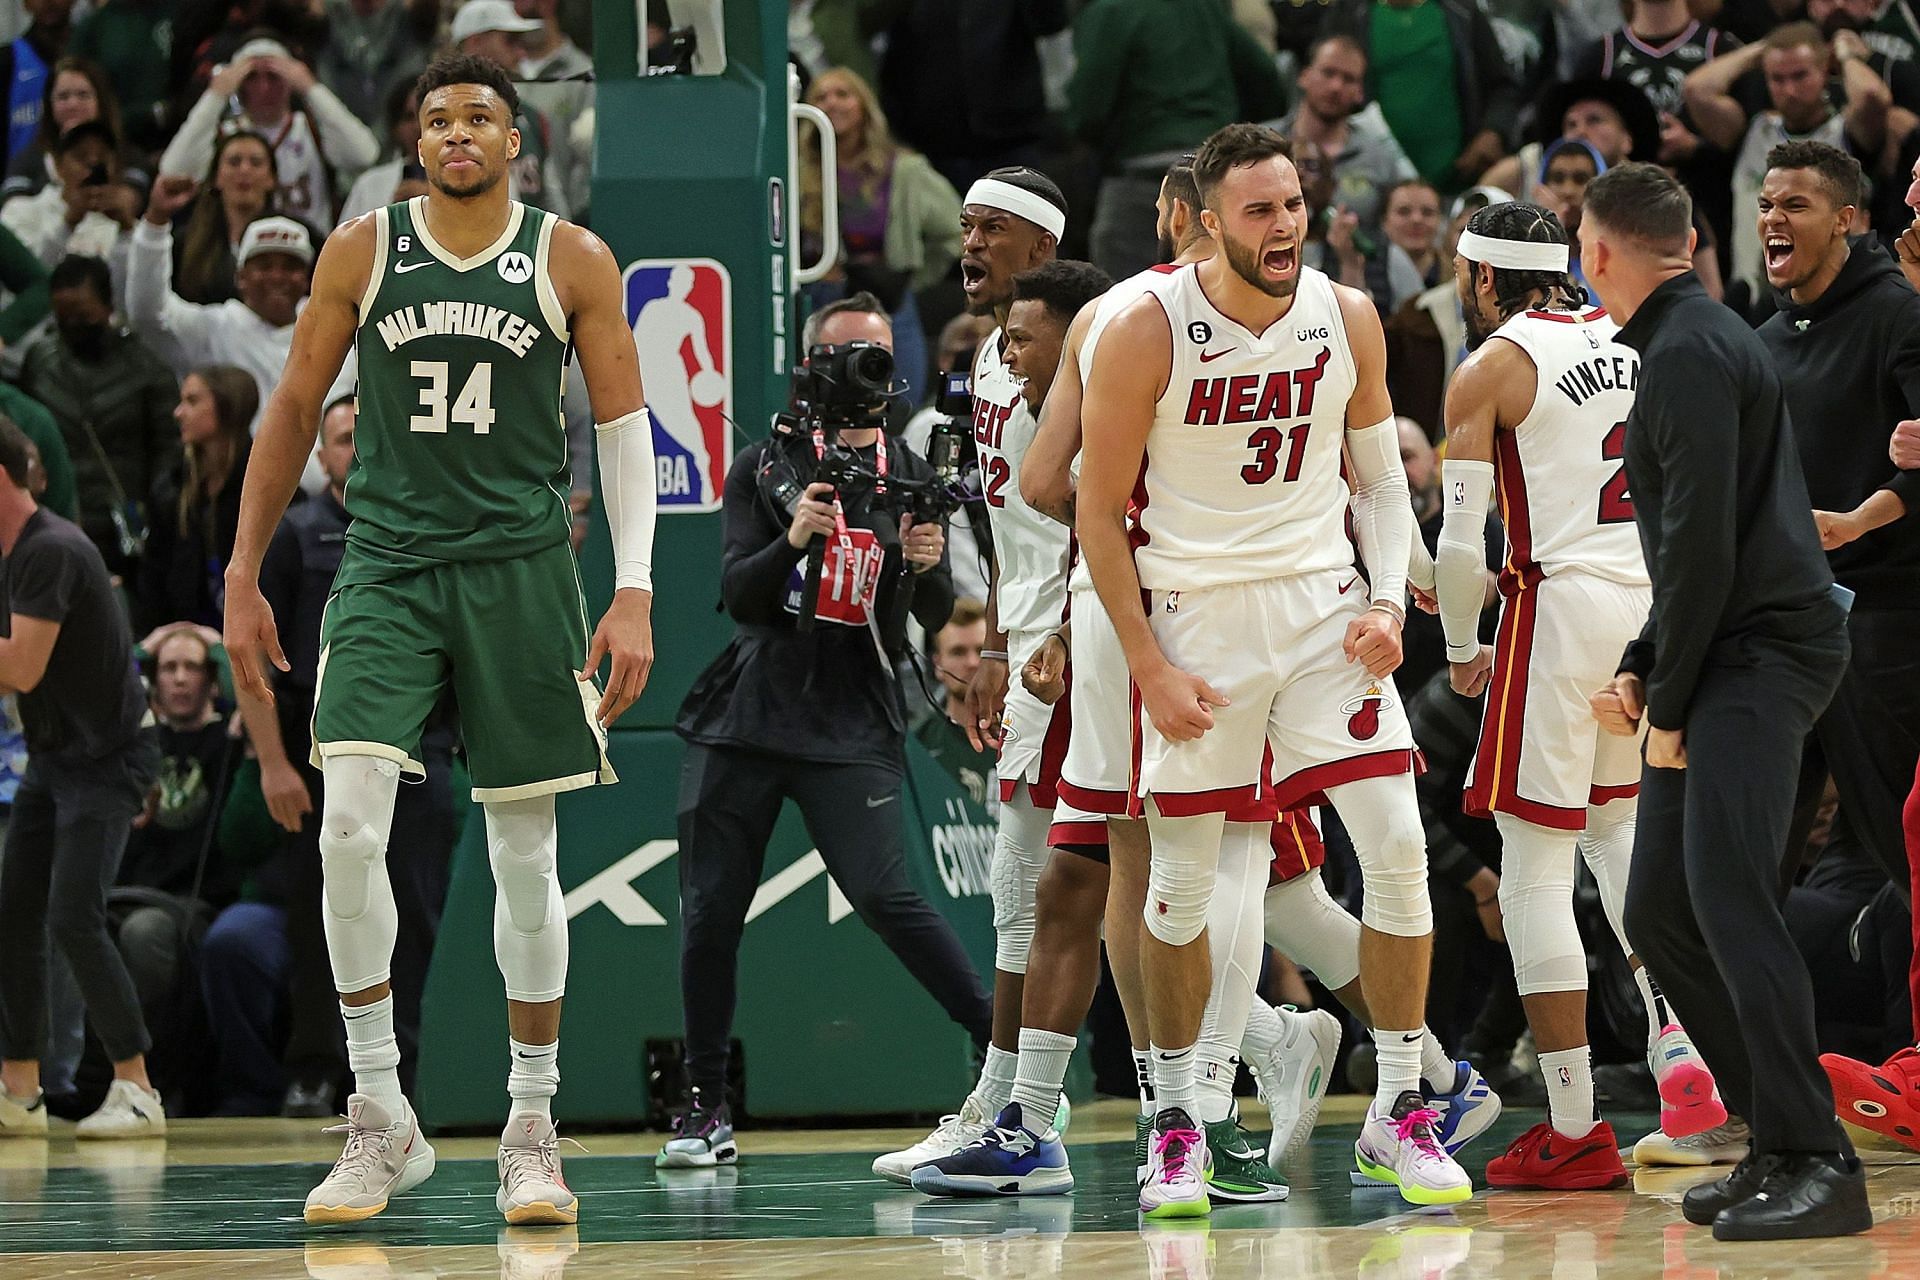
{"x": 1701, "y": 903}
{"x": 419, "y": 852}
{"x": 68, "y": 832}
{"x": 1868, "y": 739}
{"x": 729, "y": 801}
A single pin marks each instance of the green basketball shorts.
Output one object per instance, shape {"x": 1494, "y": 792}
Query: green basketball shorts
{"x": 509, "y": 635}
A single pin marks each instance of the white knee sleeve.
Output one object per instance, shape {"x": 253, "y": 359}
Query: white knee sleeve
{"x": 529, "y": 917}
{"x": 1306, "y": 925}
{"x": 1536, "y": 904}
{"x": 1234, "y": 944}
{"x": 1382, "y": 815}
{"x": 1607, "y": 845}
{"x": 1019, "y": 856}
{"x": 357, "y": 906}
{"x": 1186, "y": 853}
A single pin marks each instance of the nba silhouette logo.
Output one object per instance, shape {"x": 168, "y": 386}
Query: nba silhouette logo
{"x": 681, "y": 310}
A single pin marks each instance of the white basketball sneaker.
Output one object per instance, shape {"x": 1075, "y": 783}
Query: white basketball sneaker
{"x": 127, "y": 1112}
{"x": 533, "y": 1191}
{"x": 1177, "y": 1166}
{"x": 1726, "y": 1143}
{"x": 1402, "y": 1150}
{"x": 954, "y": 1134}
{"x": 385, "y": 1157}
{"x": 23, "y": 1119}
{"x": 1293, "y": 1080}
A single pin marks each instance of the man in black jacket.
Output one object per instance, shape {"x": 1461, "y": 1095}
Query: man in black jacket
{"x": 1847, "y": 347}
{"x": 814, "y": 716}
{"x": 1742, "y": 652}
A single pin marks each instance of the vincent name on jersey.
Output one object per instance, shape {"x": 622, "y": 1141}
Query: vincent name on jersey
{"x": 1602, "y": 373}
{"x": 458, "y": 319}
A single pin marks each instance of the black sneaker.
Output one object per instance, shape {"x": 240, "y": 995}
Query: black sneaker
{"x": 702, "y": 1138}
{"x": 1806, "y": 1197}
{"x": 1706, "y": 1202}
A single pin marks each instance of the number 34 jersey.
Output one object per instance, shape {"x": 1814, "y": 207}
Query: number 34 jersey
{"x": 460, "y": 452}
{"x": 1561, "y": 474}
{"x": 1242, "y": 480}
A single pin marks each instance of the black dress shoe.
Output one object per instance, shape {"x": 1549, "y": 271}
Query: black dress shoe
{"x": 1704, "y": 1204}
{"x": 1806, "y": 1198}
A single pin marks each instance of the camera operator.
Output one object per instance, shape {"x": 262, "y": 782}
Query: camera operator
{"x": 808, "y": 709}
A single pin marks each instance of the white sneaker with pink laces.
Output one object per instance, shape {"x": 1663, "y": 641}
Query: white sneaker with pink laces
{"x": 1401, "y": 1150}
{"x": 1177, "y": 1162}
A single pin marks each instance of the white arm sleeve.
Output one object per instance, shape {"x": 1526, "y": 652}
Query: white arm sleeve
{"x": 627, "y": 486}
{"x": 1382, "y": 509}
{"x": 1420, "y": 561}
{"x": 1460, "y": 570}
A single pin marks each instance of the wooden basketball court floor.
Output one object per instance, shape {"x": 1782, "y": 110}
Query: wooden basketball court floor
{"x": 220, "y": 1200}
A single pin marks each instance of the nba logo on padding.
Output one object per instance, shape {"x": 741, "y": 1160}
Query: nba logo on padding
{"x": 681, "y": 310}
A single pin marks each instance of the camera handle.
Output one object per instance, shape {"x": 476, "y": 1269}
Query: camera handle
{"x": 810, "y": 586}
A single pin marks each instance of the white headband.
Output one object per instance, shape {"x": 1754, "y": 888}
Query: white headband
{"x": 1038, "y": 210}
{"x": 1517, "y": 255}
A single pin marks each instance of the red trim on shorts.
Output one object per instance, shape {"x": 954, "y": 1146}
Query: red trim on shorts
{"x": 1265, "y": 806}
{"x": 1192, "y": 804}
{"x": 1076, "y": 833}
{"x": 1053, "y": 754}
{"x": 1494, "y": 783}
{"x": 1309, "y": 785}
{"x": 1297, "y": 847}
{"x": 1009, "y": 788}
{"x": 1606, "y": 795}
{"x": 1086, "y": 798}
{"x": 1541, "y": 815}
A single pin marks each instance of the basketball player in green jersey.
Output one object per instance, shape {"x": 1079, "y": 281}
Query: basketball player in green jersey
{"x": 457, "y": 571}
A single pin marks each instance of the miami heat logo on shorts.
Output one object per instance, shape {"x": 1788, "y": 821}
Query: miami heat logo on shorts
{"x": 1363, "y": 713}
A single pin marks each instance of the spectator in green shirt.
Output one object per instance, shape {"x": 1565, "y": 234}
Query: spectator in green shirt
{"x": 955, "y": 652}
{"x": 1436, "y": 69}
{"x": 1152, "y": 79}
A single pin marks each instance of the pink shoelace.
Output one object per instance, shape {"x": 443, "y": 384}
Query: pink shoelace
{"x": 1174, "y": 1147}
{"x": 1417, "y": 1127}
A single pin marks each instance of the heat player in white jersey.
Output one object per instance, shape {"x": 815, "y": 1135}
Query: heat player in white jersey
{"x": 1248, "y": 627}
{"x": 1011, "y": 222}
{"x": 1537, "y": 416}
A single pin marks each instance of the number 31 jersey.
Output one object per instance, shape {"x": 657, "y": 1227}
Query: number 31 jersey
{"x": 460, "y": 452}
{"x": 1242, "y": 479}
{"x": 1561, "y": 477}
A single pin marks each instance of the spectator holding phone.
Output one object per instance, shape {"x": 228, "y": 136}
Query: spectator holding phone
{"x": 88, "y": 210}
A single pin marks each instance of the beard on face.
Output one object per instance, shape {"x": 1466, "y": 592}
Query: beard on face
{"x": 1478, "y": 328}
{"x": 486, "y": 181}
{"x": 1246, "y": 264}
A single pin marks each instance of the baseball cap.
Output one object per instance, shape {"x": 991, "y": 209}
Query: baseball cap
{"x": 476, "y": 16}
{"x": 276, "y": 235}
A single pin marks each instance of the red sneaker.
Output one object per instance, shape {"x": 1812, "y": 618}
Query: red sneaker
{"x": 1883, "y": 1099}
{"x": 1545, "y": 1158}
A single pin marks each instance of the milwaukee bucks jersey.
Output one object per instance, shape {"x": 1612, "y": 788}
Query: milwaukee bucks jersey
{"x": 460, "y": 452}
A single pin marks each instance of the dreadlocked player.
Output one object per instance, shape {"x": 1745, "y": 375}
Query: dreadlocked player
{"x": 1540, "y": 412}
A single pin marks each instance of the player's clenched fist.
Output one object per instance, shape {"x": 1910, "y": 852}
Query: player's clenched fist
{"x": 1179, "y": 705}
{"x": 1045, "y": 675}
{"x": 986, "y": 701}
{"x": 1373, "y": 641}
{"x": 1618, "y": 706}
{"x": 1905, "y": 449}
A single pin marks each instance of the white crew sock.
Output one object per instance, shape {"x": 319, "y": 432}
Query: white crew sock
{"x": 1569, "y": 1077}
{"x": 1043, "y": 1069}
{"x": 533, "y": 1078}
{"x": 1659, "y": 1016}
{"x": 1143, "y": 1078}
{"x": 996, "y": 1081}
{"x": 1173, "y": 1078}
{"x": 1436, "y": 1068}
{"x": 1396, "y": 1056}
{"x": 374, "y": 1053}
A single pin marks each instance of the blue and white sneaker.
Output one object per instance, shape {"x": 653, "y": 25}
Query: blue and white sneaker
{"x": 1467, "y": 1106}
{"x": 1008, "y": 1160}
{"x": 702, "y": 1138}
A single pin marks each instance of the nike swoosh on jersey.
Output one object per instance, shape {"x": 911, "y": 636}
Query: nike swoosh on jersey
{"x": 1349, "y": 586}
{"x": 401, "y": 268}
{"x": 1208, "y": 357}
{"x": 872, "y": 803}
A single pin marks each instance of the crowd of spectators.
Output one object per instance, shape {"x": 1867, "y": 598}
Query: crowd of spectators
{"x": 172, "y": 168}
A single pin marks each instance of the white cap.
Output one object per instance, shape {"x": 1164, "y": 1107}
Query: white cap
{"x": 276, "y": 235}
{"x": 261, "y": 47}
{"x": 476, "y": 16}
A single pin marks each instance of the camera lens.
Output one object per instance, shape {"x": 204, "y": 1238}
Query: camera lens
{"x": 870, "y": 369}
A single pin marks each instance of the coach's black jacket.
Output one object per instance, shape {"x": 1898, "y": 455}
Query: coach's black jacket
{"x": 1849, "y": 363}
{"x": 1718, "y": 496}
{"x": 822, "y": 695}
